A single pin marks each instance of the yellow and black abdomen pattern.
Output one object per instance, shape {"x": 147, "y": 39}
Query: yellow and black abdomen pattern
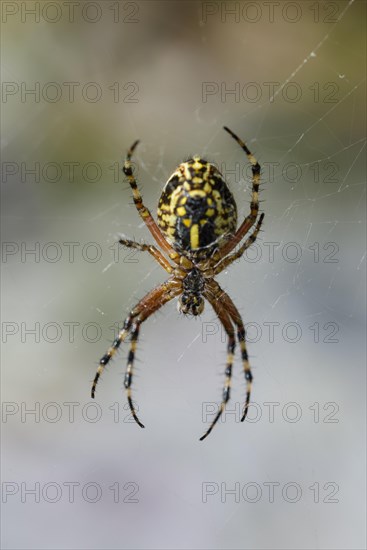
{"x": 196, "y": 209}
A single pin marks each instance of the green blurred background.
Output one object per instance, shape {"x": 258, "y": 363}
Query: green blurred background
{"x": 163, "y": 72}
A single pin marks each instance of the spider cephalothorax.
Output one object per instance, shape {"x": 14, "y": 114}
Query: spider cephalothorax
{"x": 191, "y": 301}
{"x": 197, "y": 230}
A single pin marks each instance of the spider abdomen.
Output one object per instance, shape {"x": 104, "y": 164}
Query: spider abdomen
{"x": 196, "y": 209}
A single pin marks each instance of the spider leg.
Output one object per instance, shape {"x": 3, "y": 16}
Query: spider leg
{"x": 148, "y": 305}
{"x": 228, "y": 327}
{"x": 254, "y": 206}
{"x": 234, "y": 314}
{"x": 111, "y": 352}
{"x": 225, "y": 262}
{"x": 153, "y": 250}
{"x": 143, "y": 210}
{"x": 129, "y": 370}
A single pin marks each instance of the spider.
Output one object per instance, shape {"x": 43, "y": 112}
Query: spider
{"x": 197, "y": 231}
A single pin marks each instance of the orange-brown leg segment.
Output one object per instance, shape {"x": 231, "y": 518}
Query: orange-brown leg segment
{"x": 143, "y": 210}
{"x": 235, "y": 316}
{"x": 228, "y": 327}
{"x": 148, "y": 305}
{"x": 153, "y": 250}
{"x": 225, "y": 262}
{"x": 151, "y": 303}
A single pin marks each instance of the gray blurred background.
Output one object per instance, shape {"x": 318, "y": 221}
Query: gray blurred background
{"x": 289, "y": 78}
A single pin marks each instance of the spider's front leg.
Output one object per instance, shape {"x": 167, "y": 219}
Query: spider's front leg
{"x": 144, "y": 309}
{"x": 241, "y": 335}
{"x": 228, "y": 327}
{"x": 229, "y": 307}
{"x": 103, "y": 362}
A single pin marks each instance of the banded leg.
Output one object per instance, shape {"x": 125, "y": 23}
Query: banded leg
{"x": 254, "y": 206}
{"x": 233, "y": 257}
{"x": 111, "y": 352}
{"x": 129, "y": 370}
{"x": 241, "y": 335}
{"x": 234, "y": 314}
{"x": 227, "y": 324}
{"x": 153, "y": 250}
{"x": 148, "y": 305}
{"x": 151, "y": 303}
{"x": 143, "y": 210}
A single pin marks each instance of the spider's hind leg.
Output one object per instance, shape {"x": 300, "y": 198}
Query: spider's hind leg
{"x": 226, "y": 261}
{"x": 144, "y": 213}
{"x": 254, "y": 205}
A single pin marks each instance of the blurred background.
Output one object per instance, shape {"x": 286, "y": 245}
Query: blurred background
{"x": 81, "y": 82}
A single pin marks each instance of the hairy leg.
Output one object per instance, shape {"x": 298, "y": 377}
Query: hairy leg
{"x": 235, "y": 316}
{"x": 153, "y": 250}
{"x": 228, "y": 327}
{"x": 254, "y": 206}
{"x": 148, "y": 305}
{"x": 225, "y": 262}
{"x": 143, "y": 210}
